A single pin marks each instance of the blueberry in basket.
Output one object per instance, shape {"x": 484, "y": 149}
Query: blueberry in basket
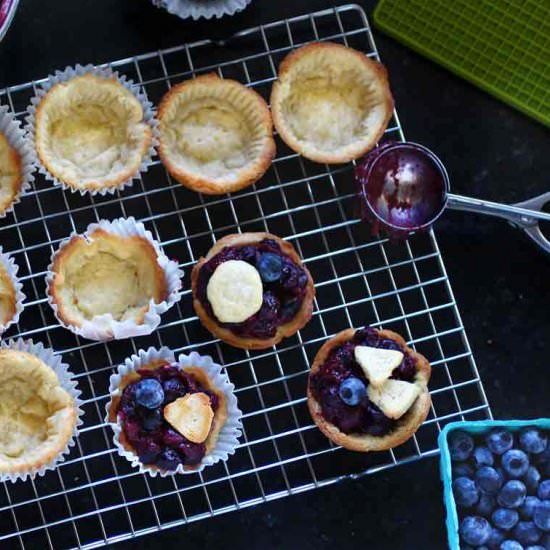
{"x": 501, "y": 488}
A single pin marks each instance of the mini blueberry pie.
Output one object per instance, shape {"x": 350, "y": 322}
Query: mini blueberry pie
{"x": 216, "y": 135}
{"x": 37, "y": 415}
{"x": 252, "y": 290}
{"x": 170, "y": 416}
{"x": 330, "y": 103}
{"x": 367, "y": 391}
{"x": 90, "y": 132}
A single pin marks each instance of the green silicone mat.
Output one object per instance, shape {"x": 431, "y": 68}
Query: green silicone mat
{"x": 502, "y": 46}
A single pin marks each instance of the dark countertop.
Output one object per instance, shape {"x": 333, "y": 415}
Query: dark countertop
{"x": 499, "y": 279}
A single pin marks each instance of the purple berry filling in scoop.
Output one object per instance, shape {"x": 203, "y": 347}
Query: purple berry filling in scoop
{"x": 153, "y": 439}
{"x": 284, "y": 285}
{"x": 365, "y": 417}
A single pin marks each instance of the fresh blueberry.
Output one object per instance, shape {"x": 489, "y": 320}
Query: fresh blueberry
{"x": 512, "y": 494}
{"x": 270, "y": 267}
{"x": 463, "y": 469}
{"x": 544, "y": 490}
{"x": 515, "y": 463}
{"x": 352, "y": 391}
{"x": 504, "y": 518}
{"x": 461, "y": 446}
{"x": 544, "y": 457}
{"x": 511, "y": 545}
{"x": 465, "y": 492}
{"x": 149, "y": 393}
{"x": 526, "y": 532}
{"x": 483, "y": 457}
{"x": 535, "y": 547}
{"x": 485, "y": 505}
{"x": 532, "y": 479}
{"x": 541, "y": 517}
{"x": 527, "y": 509}
{"x": 168, "y": 459}
{"x": 475, "y": 530}
{"x": 533, "y": 441}
{"x": 488, "y": 480}
{"x": 499, "y": 441}
{"x": 495, "y": 539}
{"x": 545, "y": 541}
{"x": 173, "y": 388}
{"x": 151, "y": 419}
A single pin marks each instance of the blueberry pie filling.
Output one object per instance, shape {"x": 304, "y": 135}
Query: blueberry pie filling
{"x": 284, "y": 287}
{"x": 340, "y": 386}
{"x": 141, "y": 414}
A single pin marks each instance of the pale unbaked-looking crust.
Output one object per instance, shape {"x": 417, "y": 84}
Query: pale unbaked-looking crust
{"x": 406, "y": 426}
{"x": 301, "y": 318}
{"x": 72, "y": 247}
{"x": 7, "y": 282}
{"x": 248, "y": 174}
{"x": 353, "y": 150}
{"x": 63, "y": 428}
{"x": 131, "y": 101}
{"x": 15, "y": 164}
{"x": 220, "y": 415}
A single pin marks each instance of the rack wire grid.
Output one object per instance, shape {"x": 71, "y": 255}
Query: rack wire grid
{"x": 95, "y": 497}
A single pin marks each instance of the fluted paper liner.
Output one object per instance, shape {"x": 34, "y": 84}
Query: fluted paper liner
{"x": 68, "y": 74}
{"x": 199, "y": 8}
{"x": 11, "y": 269}
{"x": 105, "y": 327}
{"x": 11, "y": 128}
{"x": 67, "y": 382}
{"x": 230, "y": 433}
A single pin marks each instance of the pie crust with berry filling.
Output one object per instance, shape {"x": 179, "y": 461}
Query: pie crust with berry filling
{"x": 396, "y": 431}
{"x": 280, "y": 327}
{"x": 202, "y": 382}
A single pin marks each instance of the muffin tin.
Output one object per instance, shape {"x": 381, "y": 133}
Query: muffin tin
{"x": 95, "y": 497}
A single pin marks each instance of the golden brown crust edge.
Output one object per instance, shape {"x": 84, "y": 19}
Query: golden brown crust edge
{"x": 249, "y": 175}
{"x": 301, "y": 318}
{"x": 220, "y": 416}
{"x": 112, "y": 183}
{"x": 5, "y": 277}
{"x": 17, "y": 162}
{"x": 279, "y": 120}
{"x": 405, "y": 427}
{"x": 62, "y": 254}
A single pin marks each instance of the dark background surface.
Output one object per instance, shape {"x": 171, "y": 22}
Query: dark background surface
{"x": 499, "y": 279}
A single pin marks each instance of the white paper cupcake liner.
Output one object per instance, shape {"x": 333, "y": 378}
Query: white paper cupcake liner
{"x": 199, "y": 8}
{"x": 11, "y": 269}
{"x": 229, "y": 435}
{"x": 11, "y": 128}
{"x": 105, "y": 327}
{"x": 104, "y": 72}
{"x": 67, "y": 382}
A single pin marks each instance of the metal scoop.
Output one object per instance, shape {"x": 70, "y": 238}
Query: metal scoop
{"x": 405, "y": 187}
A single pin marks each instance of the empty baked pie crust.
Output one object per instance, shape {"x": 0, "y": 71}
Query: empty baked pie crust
{"x": 216, "y": 135}
{"x": 405, "y": 426}
{"x": 300, "y": 319}
{"x": 11, "y": 173}
{"x": 331, "y": 103}
{"x": 8, "y": 296}
{"x": 90, "y": 132}
{"x": 104, "y": 273}
{"x": 37, "y": 416}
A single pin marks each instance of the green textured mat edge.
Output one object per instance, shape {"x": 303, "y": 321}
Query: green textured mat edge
{"x": 419, "y": 47}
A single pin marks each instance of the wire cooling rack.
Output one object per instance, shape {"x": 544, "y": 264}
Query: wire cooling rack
{"x": 95, "y": 497}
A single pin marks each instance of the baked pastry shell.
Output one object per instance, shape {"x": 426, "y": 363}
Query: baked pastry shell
{"x": 56, "y": 454}
{"x": 226, "y": 427}
{"x": 211, "y": 86}
{"x": 299, "y": 321}
{"x": 406, "y": 426}
{"x": 341, "y": 56}
{"x": 150, "y": 142}
{"x": 18, "y": 297}
{"x": 105, "y": 327}
{"x": 24, "y": 156}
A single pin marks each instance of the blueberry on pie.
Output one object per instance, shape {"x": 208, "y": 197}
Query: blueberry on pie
{"x": 367, "y": 391}
{"x": 252, "y": 290}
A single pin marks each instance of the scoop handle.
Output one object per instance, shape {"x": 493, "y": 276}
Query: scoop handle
{"x": 525, "y": 215}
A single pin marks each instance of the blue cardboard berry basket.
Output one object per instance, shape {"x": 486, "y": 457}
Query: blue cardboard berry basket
{"x": 474, "y": 427}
